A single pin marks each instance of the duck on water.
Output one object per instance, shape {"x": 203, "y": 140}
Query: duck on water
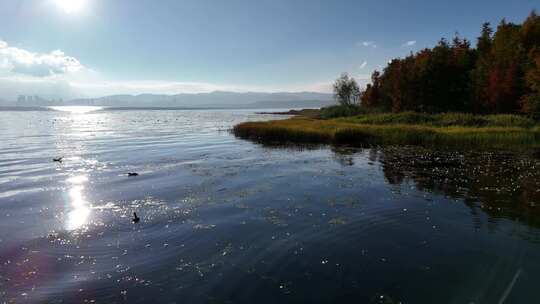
{"x": 135, "y": 219}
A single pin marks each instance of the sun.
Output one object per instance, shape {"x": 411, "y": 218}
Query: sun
{"x": 71, "y": 6}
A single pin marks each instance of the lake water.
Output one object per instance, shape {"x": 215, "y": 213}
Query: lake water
{"x": 225, "y": 220}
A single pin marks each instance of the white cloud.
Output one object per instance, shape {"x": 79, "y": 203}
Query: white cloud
{"x": 79, "y": 87}
{"x": 370, "y": 44}
{"x": 409, "y": 43}
{"x": 363, "y": 65}
{"x": 55, "y": 75}
{"x": 20, "y": 61}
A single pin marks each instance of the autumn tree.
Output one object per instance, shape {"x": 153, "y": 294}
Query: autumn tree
{"x": 531, "y": 101}
{"x": 498, "y": 76}
{"x": 371, "y": 96}
{"x": 505, "y": 72}
{"x": 530, "y": 32}
{"x": 530, "y": 35}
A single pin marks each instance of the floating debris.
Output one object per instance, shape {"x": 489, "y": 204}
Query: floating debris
{"x": 201, "y": 226}
{"x": 337, "y": 221}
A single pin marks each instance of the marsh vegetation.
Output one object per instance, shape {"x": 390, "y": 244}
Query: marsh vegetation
{"x": 485, "y": 131}
{"x": 450, "y": 95}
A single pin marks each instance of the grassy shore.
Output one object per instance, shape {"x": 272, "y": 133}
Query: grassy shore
{"x": 451, "y": 129}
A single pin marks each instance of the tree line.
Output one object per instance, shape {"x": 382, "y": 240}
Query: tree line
{"x": 500, "y": 75}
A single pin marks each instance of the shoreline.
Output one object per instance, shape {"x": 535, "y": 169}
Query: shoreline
{"x": 313, "y": 113}
{"x": 357, "y": 132}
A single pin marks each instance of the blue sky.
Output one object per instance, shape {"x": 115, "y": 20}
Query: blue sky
{"x": 101, "y": 47}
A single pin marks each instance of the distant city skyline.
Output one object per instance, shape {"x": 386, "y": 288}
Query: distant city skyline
{"x": 91, "y": 48}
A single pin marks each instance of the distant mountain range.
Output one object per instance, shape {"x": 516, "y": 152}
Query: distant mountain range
{"x": 202, "y": 100}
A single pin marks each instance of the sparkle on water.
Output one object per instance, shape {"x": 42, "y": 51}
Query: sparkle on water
{"x": 226, "y": 220}
{"x": 77, "y": 109}
{"x": 79, "y": 209}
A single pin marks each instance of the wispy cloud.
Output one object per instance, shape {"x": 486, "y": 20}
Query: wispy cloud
{"x": 363, "y": 65}
{"x": 21, "y": 61}
{"x": 409, "y": 43}
{"x": 370, "y": 44}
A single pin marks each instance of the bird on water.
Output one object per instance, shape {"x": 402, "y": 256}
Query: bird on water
{"x": 135, "y": 219}
{"x": 58, "y": 160}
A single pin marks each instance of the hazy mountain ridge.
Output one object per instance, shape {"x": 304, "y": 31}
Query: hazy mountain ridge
{"x": 213, "y": 99}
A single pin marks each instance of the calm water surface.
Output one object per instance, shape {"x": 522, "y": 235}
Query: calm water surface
{"x": 229, "y": 221}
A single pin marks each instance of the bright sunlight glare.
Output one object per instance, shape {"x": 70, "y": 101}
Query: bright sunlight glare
{"x": 76, "y": 109}
{"x": 70, "y": 6}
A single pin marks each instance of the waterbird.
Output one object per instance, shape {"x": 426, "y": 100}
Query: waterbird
{"x": 133, "y": 174}
{"x": 135, "y": 219}
{"x": 58, "y": 160}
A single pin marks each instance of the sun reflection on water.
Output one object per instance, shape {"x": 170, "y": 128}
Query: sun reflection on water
{"x": 78, "y": 179}
{"x": 77, "y": 109}
{"x": 80, "y": 208}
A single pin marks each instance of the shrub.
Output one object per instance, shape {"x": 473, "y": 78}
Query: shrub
{"x": 340, "y": 111}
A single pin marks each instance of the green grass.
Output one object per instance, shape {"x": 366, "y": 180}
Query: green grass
{"x": 455, "y": 130}
{"x": 443, "y": 120}
{"x": 340, "y": 111}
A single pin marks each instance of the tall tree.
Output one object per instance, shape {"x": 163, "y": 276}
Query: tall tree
{"x": 500, "y": 75}
{"x": 371, "y": 96}
{"x": 346, "y": 90}
{"x": 479, "y": 75}
{"x": 505, "y": 72}
{"x": 531, "y": 101}
{"x": 530, "y": 32}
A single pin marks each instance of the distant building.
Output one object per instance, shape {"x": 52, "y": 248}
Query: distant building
{"x": 21, "y": 100}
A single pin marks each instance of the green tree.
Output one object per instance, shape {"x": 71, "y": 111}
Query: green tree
{"x": 479, "y": 75}
{"x": 346, "y": 90}
{"x": 485, "y": 41}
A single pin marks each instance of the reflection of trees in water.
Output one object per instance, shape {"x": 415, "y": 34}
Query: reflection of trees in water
{"x": 498, "y": 184}
{"x": 344, "y": 156}
{"x": 503, "y": 185}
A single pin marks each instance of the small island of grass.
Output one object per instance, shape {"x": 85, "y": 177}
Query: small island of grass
{"x": 486, "y": 96}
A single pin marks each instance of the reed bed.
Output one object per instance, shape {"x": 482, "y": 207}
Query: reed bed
{"x": 500, "y": 132}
